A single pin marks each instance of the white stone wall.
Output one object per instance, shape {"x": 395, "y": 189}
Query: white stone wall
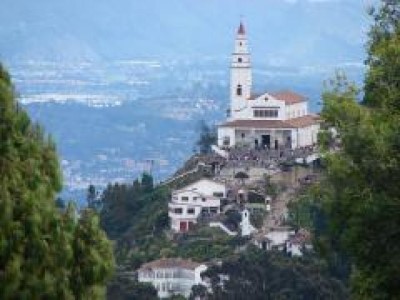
{"x": 308, "y": 136}
{"x": 226, "y": 133}
{"x": 296, "y": 110}
{"x": 264, "y": 101}
{"x": 207, "y": 187}
{"x": 168, "y": 281}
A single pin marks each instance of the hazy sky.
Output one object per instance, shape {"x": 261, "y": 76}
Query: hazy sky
{"x": 280, "y": 31}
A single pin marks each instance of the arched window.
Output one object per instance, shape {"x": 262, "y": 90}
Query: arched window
{"x": 239, "y": 90}
{"x": 240, "y": 59}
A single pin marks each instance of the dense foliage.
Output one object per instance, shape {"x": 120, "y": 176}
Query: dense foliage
{"x": 123, "y": 288}
{"x": 45, "y": 252}
{"x": 361, "y": 196}
{"x": 259, "y": 275}
{"x": 133, "y": 211}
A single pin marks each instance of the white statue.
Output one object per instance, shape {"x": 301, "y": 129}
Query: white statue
{"x": 245, "y": 226}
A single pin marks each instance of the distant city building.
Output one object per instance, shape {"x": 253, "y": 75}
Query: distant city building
{"x": 201, "y": 198}
{"x": 172, "y": 276}
{"x": 265, "y": 120}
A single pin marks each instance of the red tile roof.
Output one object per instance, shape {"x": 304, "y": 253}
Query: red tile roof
{"x": 169, "y": 263}
{"x": 302, "y": 237}
{"x": 304, "y": 121}
{"x": 241, "y": 29}
{"x": 288, "y": 97}
{"x": 269, "y": 124}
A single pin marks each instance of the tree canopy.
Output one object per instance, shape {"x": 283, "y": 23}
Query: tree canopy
{"x": 256, "y": 274}
{"x": 361, "y": 195}
{"x": 42, "y": 249}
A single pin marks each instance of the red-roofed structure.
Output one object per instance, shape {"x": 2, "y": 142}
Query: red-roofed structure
{"x": 269, "y": 120}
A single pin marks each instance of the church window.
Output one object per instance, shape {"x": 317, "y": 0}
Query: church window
{"x": 240, "y": 44}
{"x": 239, "y": 90}
{"x": 265, "y": 113}
{"x": 240, "y": 59}
{"x": 227, "y": 141}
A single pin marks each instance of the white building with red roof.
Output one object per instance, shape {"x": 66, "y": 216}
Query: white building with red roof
{"x": 271, "y": 120}
{"x": 172, "y": 276}
{"x": 200, "y": 198}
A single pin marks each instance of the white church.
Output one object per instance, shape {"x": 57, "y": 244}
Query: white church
{"x": 269, "y": 120}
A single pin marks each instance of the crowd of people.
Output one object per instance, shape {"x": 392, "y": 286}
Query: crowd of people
{"x": 266, "y": 157}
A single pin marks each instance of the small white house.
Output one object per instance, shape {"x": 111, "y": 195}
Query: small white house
{"x": 285, "y": 239}
{"x": 275, "y": 239}
{"x": 172, "y": 276}
{"x": 298, "y": 242}
{"x": 201, "y": 198}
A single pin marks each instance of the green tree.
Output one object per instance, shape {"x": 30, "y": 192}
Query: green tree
{"x": 256, "y": 274}
{"x": 37, "y": 255}
{"x": 123, "y": 288}
{"x": 92, "y": 198}
{"x": 93, "y": 259}
{"x": 382, "y": 79}
{"x": 147, "y": 183}
{"x": 207, "y": 137}
{"x": 361, "y": 195}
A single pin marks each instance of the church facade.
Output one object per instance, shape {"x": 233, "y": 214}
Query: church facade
{"x": 269, "y": 120}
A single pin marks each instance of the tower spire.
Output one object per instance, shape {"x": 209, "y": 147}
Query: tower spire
{"x": 241, "y": 77}
{"x": 241, "y": 29}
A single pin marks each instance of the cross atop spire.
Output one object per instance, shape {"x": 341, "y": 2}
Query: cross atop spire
{"x": 241, "y": 29}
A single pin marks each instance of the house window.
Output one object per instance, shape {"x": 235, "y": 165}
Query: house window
{"x": 194, "y": 199}
{"x": 239, "y": 90}
{"x": 178, "y": 211}
{"x": 185, "y": 198}
{"x": 218, "y": 194}
{"x": 214, "y": 210}
{"x": 243, "y": 135}
{"x": 203, "y": 199}
{"x": 190, "y": 211}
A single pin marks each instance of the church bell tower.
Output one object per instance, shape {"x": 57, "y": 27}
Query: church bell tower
{"x": 241, "y": 78}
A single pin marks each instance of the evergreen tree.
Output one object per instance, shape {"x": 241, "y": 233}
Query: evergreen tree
{"x": 37, "y": 255}
{"x": 92, "y": 258}
{"x": 91, "y": 198}
{"x": 361, "y": 195}
{"x": 147, "y": 183}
